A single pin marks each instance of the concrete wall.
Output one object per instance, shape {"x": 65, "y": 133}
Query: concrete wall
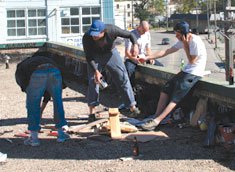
{"x": 72, "y": 59}
{"x": 220, "y": 92}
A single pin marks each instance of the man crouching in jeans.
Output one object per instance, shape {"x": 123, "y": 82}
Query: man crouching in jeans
{"x": 36, "y": 75}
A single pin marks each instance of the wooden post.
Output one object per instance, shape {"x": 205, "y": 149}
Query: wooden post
{"x": 114, "y": 123}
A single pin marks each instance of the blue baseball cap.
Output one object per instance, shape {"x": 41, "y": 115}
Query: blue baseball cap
{"x": 96, "y": 28}
{"x": 182, "y": 27}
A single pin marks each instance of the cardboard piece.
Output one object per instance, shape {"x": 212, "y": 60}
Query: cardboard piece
{"x": 201, "y": 109}
{"x": 147, "y": 136}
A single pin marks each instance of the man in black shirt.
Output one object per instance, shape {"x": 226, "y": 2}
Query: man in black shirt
{"x": 36, "y": 75}
{"x": 100, "y": 51}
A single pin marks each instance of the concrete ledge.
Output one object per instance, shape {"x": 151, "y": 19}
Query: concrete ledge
{"x": 220, "y": 92}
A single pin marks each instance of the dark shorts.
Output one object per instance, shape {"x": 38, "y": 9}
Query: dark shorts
{"x": 179, "y": 86}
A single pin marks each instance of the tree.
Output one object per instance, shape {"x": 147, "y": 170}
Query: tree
{"x": 146, "y": 8}
{"x": 185, "y": 6}
{"x": 141, "y": 10}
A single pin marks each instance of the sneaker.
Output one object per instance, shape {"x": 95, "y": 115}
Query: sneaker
{"x": 32, "y": 142}
{"x": 63, "y": 137}
{"x": 65, "y": 128}
{"x": 132, "y": 114}
{"x": 3, "y": 157}
{"x": 91, "y": 118}
{"x": 149, "y": 125}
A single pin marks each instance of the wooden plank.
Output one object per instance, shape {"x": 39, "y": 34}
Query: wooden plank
{"x": 77, "y": 128}
{"x": 114, "y": 123}
{"x": 124, "y": 128}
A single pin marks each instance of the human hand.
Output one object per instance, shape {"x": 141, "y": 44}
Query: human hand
{"x": 142, "y": 59}
{"x": 97, "y": 77}
{"x": 152, "y": 62}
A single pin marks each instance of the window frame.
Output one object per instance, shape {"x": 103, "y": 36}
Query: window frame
{"x": 26, "y": 26}
{"x": 89, "y": 15}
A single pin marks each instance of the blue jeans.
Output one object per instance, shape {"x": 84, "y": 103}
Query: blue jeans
{"x": 180, "y": 85}
{"x": 114, "y": 64}
{"x": 44, "y": 79}
{"x": 130, "y": 67}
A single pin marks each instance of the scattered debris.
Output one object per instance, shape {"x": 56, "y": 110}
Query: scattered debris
{"x": 53, "y": 133}
{"x": 6, "y": 131}
{"x": 147, "y": 136}
{"x": 77, "y": 128}
{"x": 3, "y": 157}
{"x": 23, "y": 135}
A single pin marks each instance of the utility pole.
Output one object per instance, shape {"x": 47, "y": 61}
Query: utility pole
{"x": 124, "y": 17}
{"x": 166, "y": 3}
{"x": 228, "y": 45}
{"x": 208, "y": 18}
{"x": 197, "y": 30}
{"x": 132, "y": 14}
{"x": 215, "y": 18}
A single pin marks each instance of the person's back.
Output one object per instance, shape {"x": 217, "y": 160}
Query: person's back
{"x": 26, "y": 67}
{"x": 36, "y": 75}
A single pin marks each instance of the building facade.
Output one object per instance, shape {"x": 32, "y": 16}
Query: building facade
{"x": 30, "y": 21}
{"x": 124, "y": 14}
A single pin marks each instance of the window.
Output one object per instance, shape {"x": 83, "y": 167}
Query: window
{"x": 117, "y": 6}
{"x": 71, "y": 18}
{"x": 26, "y": 22}
{"x": 128, "y": 14}
{"x": 36, "y": 22}
{"x": 128, "y": 6}
{"x": 16, "y": 23}
{"x": 89, "y": 14}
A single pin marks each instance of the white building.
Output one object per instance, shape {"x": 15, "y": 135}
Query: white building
{"x": 30, "y": 21}
{"x": 123, "y": 11}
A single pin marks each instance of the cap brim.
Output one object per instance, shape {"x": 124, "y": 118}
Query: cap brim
{"x": 93, "y": 33}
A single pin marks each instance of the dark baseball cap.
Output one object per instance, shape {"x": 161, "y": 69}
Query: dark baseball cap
{"x": 182, "y": 27}
{"x": 96, "y": 28}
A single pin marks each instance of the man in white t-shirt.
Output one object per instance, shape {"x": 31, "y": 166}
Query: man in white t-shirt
{"x": 179, "y": 86}
{"x": 144, "y": 44}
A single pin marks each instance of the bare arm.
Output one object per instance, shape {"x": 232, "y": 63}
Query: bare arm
{"x": 130, "y": 55}
{"x": 148, "y": 51}
{"x": 162, "y": 53}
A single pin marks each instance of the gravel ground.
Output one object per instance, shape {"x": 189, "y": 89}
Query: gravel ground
{"x": 183, "y": 150}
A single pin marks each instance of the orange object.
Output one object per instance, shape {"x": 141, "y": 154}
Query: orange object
{"x": 227, "y": 134}
{"x": 53, "y": 133}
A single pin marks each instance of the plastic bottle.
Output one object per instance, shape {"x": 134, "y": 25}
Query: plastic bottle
{"x": 182, "y": 64}
{"x": 135, "y": 147}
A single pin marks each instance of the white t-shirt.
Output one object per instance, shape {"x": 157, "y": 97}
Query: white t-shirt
{"x": 196, "y": 48}
{"x": 143, "y": 41}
